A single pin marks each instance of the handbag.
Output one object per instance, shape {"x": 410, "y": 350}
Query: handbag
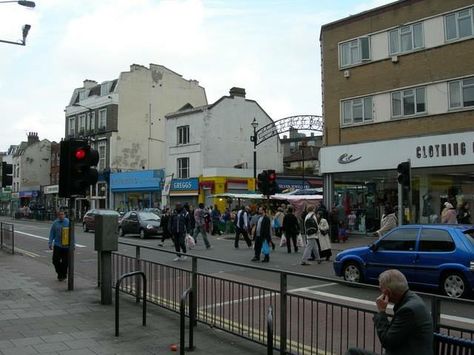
{"x": 299, "y": 241}
{"x": 283, "y": 240}
{"x": 265, "y": 248}
{"x": 190, "y": 243}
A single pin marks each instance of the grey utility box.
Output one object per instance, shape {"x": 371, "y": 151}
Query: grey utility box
{"x": 106, "y": 233}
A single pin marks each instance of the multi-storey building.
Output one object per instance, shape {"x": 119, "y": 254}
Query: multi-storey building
{"x": 124, "y": 120}
{"x": 209, "y": 150}
{"x": 398, "y": 85}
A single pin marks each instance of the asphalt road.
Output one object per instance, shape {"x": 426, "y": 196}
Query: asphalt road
{"x": 31, "y": 240}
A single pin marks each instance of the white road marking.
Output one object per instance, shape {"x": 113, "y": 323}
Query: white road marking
{"x": 44, "y": 238}
{"x": 307, "y": 289}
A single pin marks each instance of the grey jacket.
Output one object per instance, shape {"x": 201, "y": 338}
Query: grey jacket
{"x": 411, "y": 329}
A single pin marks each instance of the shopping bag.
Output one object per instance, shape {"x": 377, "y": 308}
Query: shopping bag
{"x": 283, "y": 240}
{"x": 299, "y": 241}
{"x": 190, "y": 243}
{"x": 265, "y": 248}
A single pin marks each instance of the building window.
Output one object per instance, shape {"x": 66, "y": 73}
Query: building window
{"x": 82, "y": 95}
{"x": 406, "y": 39}
{"x": 102, "y": 118}
{"x": 357, "y": 110}
{"x": 354, "y": 52}
{"x": 105, "y": 88}
{"x": 101, "y": 148}
{"x": 459, "y": 24}
{"x": 461, "y": 93}
{"x": 82, "y": 123}
{"x": 409, "y": 102}
{"x": 72, "y": 124}
{"x": 183, "y": 135}
{"x": 183, "y": 168}
{"x": 91, "y": 120}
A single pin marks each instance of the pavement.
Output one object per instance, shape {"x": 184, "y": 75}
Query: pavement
{"x": 39, "y": 316}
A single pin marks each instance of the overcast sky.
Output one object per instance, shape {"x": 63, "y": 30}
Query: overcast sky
{"x": 269, "y": 47}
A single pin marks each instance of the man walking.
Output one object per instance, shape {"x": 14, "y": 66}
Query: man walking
{"x": 411, "y": 329}
{"x": 59, "y": 243}
{"x": 200, "y": 224}
{"x": 263, "y": 233}
{"x": 311, "y": 230}
{"x": 178, "y": 226}
{"x": 241, "y": 227}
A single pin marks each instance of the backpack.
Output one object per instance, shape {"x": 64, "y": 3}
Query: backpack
{"x": 310, "y": 226}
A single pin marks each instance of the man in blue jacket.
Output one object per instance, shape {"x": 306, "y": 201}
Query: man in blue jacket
{"x": 59, "y": 243}
{"x": 410, "y": 331}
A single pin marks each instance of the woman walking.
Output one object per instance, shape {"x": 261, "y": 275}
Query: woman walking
{"x": 311, "y": 230}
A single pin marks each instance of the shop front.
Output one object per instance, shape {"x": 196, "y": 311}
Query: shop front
{"x": 296, "y": 182}
{"x": 184, "y": 191}
{"x": 136, "y": 190}
{"x": 360, "y": 179}
{"x": 5, "y": 199}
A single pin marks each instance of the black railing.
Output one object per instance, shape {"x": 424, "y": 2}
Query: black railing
{"x": 117, "y": 300}
{"x": 7, "y": 237}
{"x": 192, "y": 321}
{"x": 450, "y": 345}
{"x": 302, "y": 322}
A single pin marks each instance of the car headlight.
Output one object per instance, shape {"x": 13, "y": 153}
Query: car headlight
{"x": 149, "y": 226}
{"x": 471, "y": 266}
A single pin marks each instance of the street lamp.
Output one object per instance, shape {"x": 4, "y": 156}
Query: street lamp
{"x": 302, "y": 148}
{"x": 26, "y": 28}
{"x": 254, "y": 140}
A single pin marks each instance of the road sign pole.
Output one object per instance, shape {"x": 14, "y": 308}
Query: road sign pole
{"x": 70, "y": 275}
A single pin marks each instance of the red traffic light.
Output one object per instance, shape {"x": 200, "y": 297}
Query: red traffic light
{"x": 80, "y": 154}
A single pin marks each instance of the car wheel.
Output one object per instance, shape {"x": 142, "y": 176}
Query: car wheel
{"x": 454, "y": 285}
{"x": 84, "y": 228}
{"x": 142, "y": 234}
{"x": 121, "y": 233}
{"x": 352, "y": 272}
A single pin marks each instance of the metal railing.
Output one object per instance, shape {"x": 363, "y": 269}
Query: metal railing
{"x": 192, "y": 321}
{"x": 7, "y": 237}
{"x": 117, "y": 300}
{"x": 445, "y": 344}
{"x": 302, "y": 323}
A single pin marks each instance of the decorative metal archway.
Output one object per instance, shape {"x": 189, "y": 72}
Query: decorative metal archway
{"x": 301, "y": 122}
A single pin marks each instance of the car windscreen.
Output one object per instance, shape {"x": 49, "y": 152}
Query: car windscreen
{"x": 148, "y": 216}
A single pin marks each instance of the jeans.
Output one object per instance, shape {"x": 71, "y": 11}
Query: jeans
{"x": 311, "y": 246}
{"x": 202, "y": 230}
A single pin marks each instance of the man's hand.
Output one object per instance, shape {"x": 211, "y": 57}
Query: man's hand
{"x": 382, "y": 302}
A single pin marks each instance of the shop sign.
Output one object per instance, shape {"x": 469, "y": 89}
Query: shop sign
{"x": 28, "y": 194}
{"x": 143, "y": 180}
{"x": 52, "y": 189}
{"x": 5, "y": 196}
{"x": 428, "y": 151}
{"x": 191, "y": 184}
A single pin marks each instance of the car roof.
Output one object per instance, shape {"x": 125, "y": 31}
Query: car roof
{"x": 461, "y": 227}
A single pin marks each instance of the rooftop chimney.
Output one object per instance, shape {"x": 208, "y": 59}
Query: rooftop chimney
{"x": 32, "y": 138}
{"x": 89, "y": 83}
{"x": 235, "y": 91}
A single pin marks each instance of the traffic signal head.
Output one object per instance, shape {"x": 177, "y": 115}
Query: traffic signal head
{"x": 7, "y": 170}
{"x": 404, "y": 178}
{"x": 262, "y": 182}
{"x": 272, "y": 183}
{"x": 75, "y": 171}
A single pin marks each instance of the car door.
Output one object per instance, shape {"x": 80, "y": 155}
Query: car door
{"x": 436, "y": 247}
{"x": 133, "y": 223}
{"x": 396, "y": 250}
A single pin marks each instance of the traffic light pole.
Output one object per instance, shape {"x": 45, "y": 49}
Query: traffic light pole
{"x": 71, "y": 216}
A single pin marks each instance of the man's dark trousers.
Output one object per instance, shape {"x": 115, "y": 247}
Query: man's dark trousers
{"x": 60, "y": 261}
{"x": 239, "y": 231}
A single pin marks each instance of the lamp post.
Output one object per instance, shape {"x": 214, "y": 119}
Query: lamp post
{"x": 302, "y": 147}
{"x": 26, "y": 28}
{"x": 254, "y": 140}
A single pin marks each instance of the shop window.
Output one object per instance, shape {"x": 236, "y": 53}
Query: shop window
{"x": 435, "y": 240}
{"x": 461, "y": 93}
{"x": 408, "y": 102}
{"x": 183, "y": 135}
{"x": 406, "y": 38}
{"x": 354, "y": 52}
{"x": 357, "y": 111}
{"x": 183, "y": 168}
{"x": 459, "y": 25}
{"x": 399, "y": 240}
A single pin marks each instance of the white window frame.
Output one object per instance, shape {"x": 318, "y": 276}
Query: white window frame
{"x": 72, "y": 126}
{"x": 102, "y": 150}
{"x": 183, "y": 171}
{"x": 457, "y": 17}
{"x": 363, "y": 103}
{"x": 91, "y": 120}
{"x": 82, "y": 95}
{"x": 405, "y": 94}
{"x": 357, "y": 46}
{"x": 105, "y": 88}
{"x": 82, "y": 122}
{"x": 399, "y": 32}
{"x": 182, "y": 135}
{"x": 461, "y": 86}
{"x": 102, "y": 119}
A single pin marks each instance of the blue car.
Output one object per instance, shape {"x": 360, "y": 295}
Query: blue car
{"x": 437, "y": 256}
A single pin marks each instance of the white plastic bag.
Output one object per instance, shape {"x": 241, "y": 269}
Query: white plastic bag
{"x": 190, "y": 243}
{"x": 283, "y": 240}
{"x": 299, "y": 241}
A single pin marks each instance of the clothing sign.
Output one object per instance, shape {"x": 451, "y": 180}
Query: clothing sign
{"x": 142, "y": 180}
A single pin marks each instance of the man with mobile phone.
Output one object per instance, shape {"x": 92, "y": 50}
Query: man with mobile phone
{"x": 410, "y": 331}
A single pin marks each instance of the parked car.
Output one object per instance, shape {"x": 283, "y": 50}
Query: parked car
{"x": 88, "y": 221}
{"x": 139, "y": 222}
{"x": 431, "y": 256}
